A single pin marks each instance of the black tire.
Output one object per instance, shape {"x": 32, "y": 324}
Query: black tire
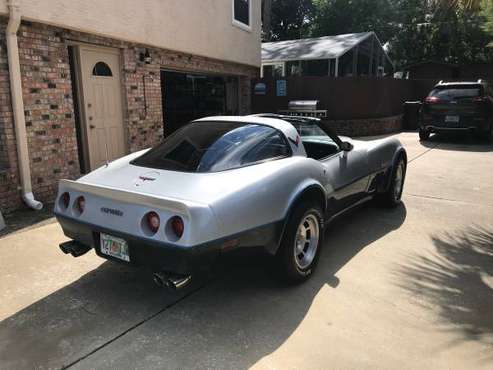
{"x": 488, "y": 135}
{"x": 289, "y": 263}
{"x": 423, "y": 135}
{"x": 392, "y": 197}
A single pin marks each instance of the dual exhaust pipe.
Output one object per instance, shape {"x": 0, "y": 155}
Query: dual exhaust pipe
{"x": 76, "y": 249}
{"x": 162, "y": 279}
{"x": 171, "y": 281}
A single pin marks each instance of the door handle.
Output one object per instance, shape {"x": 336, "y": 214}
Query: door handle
{"x": 92, "y": 127}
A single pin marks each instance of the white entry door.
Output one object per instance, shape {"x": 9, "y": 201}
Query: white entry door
{"x": 102, "y": 104}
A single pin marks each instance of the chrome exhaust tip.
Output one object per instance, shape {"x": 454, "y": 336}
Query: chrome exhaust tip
{"x": 159, "y": 279}
{"x": 179, "y": 282}
{"x": 171, "y": 281}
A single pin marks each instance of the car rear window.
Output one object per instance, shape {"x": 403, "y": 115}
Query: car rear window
{"x": 215, "y": 146}
{"x": 454, "y": 92}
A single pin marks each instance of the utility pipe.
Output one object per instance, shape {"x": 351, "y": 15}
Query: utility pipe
{"x": 18, "y": 106}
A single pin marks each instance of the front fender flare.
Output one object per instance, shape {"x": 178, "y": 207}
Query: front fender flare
{"x": 398, "y": 153}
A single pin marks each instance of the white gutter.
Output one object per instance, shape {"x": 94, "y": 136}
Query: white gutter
{"x": 18, "y": 105}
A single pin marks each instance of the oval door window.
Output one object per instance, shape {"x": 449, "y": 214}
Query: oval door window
{"x": 101, "y": 69}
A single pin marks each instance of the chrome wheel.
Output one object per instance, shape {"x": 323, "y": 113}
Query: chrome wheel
{"x": 398, "y": 180}
{"x": 306, "y": 241}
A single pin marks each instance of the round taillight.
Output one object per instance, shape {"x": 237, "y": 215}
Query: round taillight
{"x": 81, "y": 204}
{"x": 177, "y": 226}
{"x": 65, "y": 199}
{"x": 153, "y": 221}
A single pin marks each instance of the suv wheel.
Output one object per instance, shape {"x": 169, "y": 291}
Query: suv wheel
{"x": 423, "y": 134}
{"x": 301, "y": 242}
{"x": 489, "y": 134}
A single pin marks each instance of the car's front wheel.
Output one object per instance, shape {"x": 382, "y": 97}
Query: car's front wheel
{"x": 301, "y": 242}
{"x": 392, "y": 196}
{"x": 424, "y": 134}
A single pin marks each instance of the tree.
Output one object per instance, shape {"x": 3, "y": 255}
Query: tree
{"x": 289, "y": 19}
{"x": 442, "y": 31}
{"x": 266, "y": 18}
{"x": 333, "y": 17}
{"x": 487, "y": 13}
{"x": 445, "y": 5}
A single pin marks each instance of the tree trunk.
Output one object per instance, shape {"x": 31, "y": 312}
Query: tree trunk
{"x": 266, "y": 23}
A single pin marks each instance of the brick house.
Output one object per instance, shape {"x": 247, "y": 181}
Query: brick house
{"x": 86, "y": 81}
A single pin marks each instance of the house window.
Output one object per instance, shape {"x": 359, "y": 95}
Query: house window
{"x": 242, "y": 13}
{"x": 101, "y": 69}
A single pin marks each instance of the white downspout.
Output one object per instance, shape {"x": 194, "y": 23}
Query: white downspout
{"x": 18, "y": 105}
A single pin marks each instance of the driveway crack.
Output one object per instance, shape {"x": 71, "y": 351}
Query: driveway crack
{"x": 425, "y": 152}
{"x": 445, "y": 199}
{"x": 135, "y": 326}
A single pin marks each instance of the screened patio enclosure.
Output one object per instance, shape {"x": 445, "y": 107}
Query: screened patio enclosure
{"x": 355, "y": 54}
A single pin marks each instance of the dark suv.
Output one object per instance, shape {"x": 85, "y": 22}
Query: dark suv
{"x": 458, "y": 106}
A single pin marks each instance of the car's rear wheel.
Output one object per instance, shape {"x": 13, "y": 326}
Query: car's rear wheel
{"x": 392, "y": 196}
{"x": 424, "y": 134}
{"x": 301, "y": 242}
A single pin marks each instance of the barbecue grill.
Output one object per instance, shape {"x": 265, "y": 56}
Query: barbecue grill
{"x": 305, "y": 108}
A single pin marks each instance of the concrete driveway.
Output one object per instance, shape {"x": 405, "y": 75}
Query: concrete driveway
{"x": 409, "y": 288}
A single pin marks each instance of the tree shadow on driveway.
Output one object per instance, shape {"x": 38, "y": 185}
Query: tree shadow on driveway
{"x": 114, "y": 317}
{"x": 457, "y": 280}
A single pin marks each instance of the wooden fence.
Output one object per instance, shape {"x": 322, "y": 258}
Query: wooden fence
{"x": 343, "y": 98}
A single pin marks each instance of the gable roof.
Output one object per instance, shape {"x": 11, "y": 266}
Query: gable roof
{"x": 327, "y": 47}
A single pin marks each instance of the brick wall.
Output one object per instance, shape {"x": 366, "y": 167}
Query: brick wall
{"x": 367, "y": 127}
{"x": 49, "y": 105}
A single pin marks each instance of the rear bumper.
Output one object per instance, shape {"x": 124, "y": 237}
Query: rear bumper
{"x": 156, "y": 255}
{"x": 468, "y": 124}
{"x": 160, "y": 256}
{"x": 432, "y": 128}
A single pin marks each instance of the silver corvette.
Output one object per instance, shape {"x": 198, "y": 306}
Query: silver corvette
{"x": 223, "y": 183}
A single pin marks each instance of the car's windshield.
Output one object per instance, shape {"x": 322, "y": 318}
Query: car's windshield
{"x": 215, "y": 146}
{"x": 310, "y": 131}
{"x": 454, "y": 92}
{"x": 318, "y": 144}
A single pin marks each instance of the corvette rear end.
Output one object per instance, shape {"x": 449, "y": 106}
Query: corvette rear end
{"x": 166, "y": 234}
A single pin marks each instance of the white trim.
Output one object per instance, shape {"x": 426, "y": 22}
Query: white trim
{"x": 237, "y": 23}
{"x": 334, "y": 56}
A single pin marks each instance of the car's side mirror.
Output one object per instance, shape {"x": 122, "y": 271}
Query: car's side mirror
{"x": 346, "y": 146}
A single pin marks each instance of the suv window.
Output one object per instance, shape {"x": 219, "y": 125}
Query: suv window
{"x": 455, "y": 92}
{"x": 216, "y": 146}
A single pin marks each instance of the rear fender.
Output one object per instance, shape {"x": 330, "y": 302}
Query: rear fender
{"x": 307, "y": 189}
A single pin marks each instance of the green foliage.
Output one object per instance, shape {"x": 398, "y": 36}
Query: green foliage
{"x": 290, "y": 19}
{"x": 332, "y": 17}
{"x": 487, "y": 13}
{"x": 438, "y": 32}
